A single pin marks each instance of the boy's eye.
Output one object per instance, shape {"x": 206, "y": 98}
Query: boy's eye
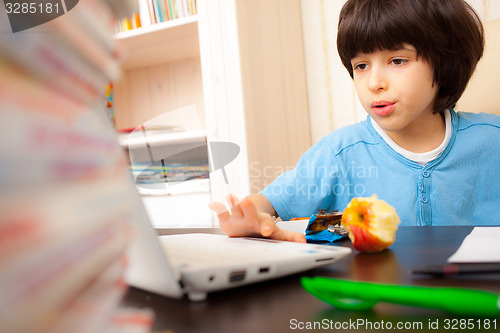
{"x": 398, "y": 61}
{"x": 360, "y": 66}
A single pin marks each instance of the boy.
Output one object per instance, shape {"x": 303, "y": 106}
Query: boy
{"x": 410, "y": 61}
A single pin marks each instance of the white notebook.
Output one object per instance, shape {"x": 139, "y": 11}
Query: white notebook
{"x": 481, "y": 245}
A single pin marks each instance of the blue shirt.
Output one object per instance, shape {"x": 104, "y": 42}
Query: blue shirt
{"x": 460, "y": 187}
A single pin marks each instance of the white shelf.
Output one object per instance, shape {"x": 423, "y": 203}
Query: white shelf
{"x": 136, "y": 140}
{"x": 192, "y": 186}
{"x": 157, "y": 27}
{"x": 160, "y": 43}
{"x": 182, "y": 147}
{"x": 179, "y": 211}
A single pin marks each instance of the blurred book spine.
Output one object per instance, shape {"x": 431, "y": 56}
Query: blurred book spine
{"x": 75, "y": 52}
{"x": 66, "y": 199}
{"x": 95, "y": 304}
{"x": 156, "y": 11}
{"x": 110, "y": 103}
{"x": 52, "y": 137}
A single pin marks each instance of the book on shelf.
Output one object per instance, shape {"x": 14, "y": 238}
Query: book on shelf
{"x": 161, "y": 172}
{"x": 136, "y": 21}
{"x": 146, "y": 12}
{"x": 157, "y": 11}
{"x": 160, "y": 11}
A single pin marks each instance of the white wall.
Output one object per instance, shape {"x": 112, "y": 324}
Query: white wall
{"x": 332, "y": 99}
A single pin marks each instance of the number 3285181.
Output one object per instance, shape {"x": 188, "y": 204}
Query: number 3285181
{"x": 31, "y": 8}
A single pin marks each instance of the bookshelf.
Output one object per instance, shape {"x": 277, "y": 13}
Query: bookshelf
{"x": 161, "y": 85}
{"x": 240, "y": 64}
{"x": 161, "y": 72}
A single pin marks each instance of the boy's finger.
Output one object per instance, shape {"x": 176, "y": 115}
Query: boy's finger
{"x": 232, "y": 200}
{"x": 267, "y": 225}
{"x": 220, "y": 210}
{"x": 234, "y": 205}
{"x": 289, "y": 236}
{"x": 298, "y": 237}
{"x": 249, "y": 210}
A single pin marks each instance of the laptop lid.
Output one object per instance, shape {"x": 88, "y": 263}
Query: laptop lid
{"x": 148, "y": 268}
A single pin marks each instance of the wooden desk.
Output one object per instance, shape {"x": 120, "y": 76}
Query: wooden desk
{"x": 281, "y": 305}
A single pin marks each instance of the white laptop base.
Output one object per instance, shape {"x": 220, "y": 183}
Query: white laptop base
{"x": 214, "y": 262}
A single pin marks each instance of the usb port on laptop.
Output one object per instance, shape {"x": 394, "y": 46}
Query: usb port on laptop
{"x": 264, "y": 270}
{"x": 237, "y": 276}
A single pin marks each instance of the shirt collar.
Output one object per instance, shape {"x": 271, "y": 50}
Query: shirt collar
{"x": 420, "y": 158}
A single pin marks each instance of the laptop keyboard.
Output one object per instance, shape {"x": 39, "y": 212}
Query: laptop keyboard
{"x": 208, "y": 250}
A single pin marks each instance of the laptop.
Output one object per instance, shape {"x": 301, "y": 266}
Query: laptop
{"x": 197, "y": 264}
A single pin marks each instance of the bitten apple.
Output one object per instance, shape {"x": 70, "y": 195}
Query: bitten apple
{"x": 371, "y": 222}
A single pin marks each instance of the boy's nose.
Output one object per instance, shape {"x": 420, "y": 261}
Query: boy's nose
{"x": 377, "y": 80}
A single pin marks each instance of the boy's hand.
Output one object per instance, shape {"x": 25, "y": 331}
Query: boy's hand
{"x": 246, "y": 220}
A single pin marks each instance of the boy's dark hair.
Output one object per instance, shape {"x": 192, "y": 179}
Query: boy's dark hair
{"x": 446, "y": 33}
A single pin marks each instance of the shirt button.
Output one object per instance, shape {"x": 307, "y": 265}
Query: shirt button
{"x": 424, "y": 199}
{"x": 426, "y": 174}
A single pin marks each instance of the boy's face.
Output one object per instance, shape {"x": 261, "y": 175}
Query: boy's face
{"x": 395, "y": 88}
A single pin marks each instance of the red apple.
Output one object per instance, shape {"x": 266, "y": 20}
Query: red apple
{"x": 372, "y": 223}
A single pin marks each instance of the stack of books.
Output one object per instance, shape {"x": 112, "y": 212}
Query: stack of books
{"x": 156, "y": 11}
{"x": 65, "y": 200}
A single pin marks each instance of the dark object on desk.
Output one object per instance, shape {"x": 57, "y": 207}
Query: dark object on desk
{"x": 459, "y": 269}
{"x": 323, "y": 220}
{"x": 325, "y": 227}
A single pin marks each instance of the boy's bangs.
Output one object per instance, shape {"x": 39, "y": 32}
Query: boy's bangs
{"x": 377, "y": 25}
{"x": 372, "y": 36}
{"x": 375, "y": 33}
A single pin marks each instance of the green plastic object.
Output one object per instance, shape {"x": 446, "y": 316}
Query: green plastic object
{"x": 358, "y": 296}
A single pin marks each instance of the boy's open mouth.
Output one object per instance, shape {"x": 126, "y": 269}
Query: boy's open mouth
{"x": 382, "y": 108}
